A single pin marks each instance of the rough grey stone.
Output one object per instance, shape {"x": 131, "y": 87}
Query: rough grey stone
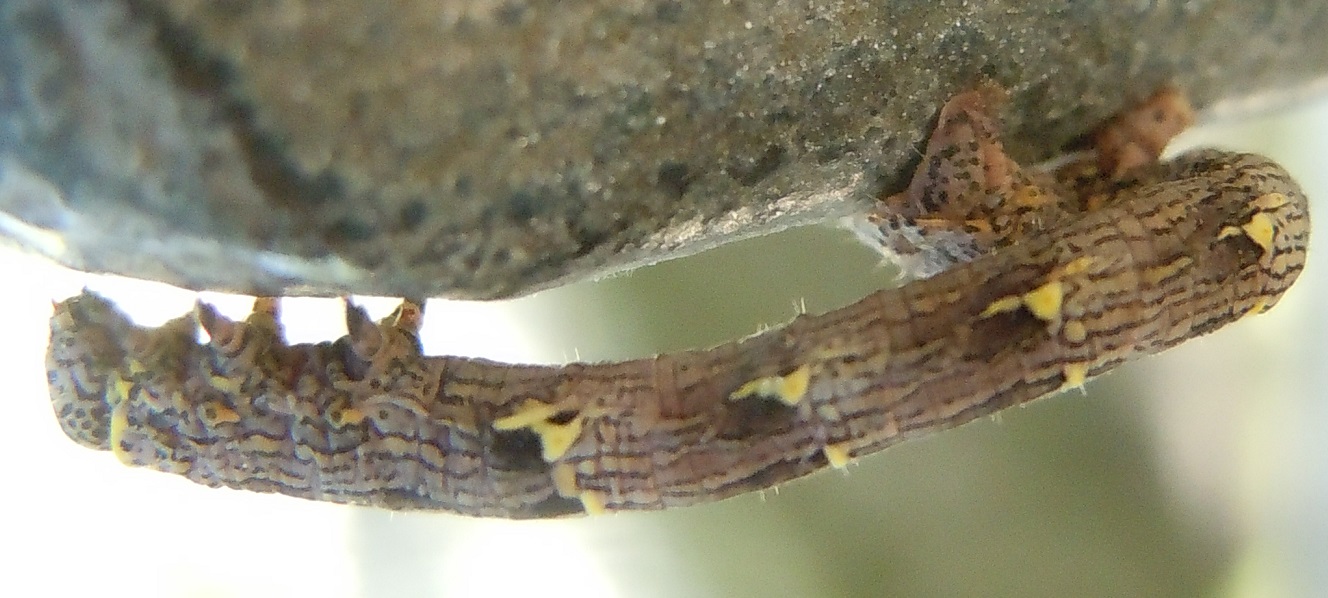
{"x": 488, "y": 148}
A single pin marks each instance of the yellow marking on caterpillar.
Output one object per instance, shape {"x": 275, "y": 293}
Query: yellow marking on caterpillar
{"x": 564, "y": 480}
{"x": 1030, "y": 196}
{"x": 1157, "y": 274}
{"x": 224, "y": 384}
{"x": 347, "y": 416}
{"x": 526, "y": 415}
{"x": 1076, "y": 374}
{"x": 1075, "y": 332}
{"x": 396, "y": 445}
{"x": 1270, "y": 201}
{"x": 592, "y": 502}
{"x": 1077, "y": 266}
{"x": 1259, "y": 228}
{"x": 214, "y": 413}
{"x": 136, "y": 366}
{"x": 788, "y": 388}
{"x": 827, "y": 412}
{"x": 118, "y": 391}
{"x": 981, "y": 226}
{"x": 120, "y": 425}
{"x": 260, "y": 443}
{"x": 464, "y": 389}
{"x": 1044, "y": 302}
{"x": 1260, "y": 306}
{"x": 1002, "y": 305}
{"x": 555, "y": 438}
{"x": 837, "y": 455}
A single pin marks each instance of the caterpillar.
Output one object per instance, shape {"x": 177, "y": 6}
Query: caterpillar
{"x": 1174, "y": 250}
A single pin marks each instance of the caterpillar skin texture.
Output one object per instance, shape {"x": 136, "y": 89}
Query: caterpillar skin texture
{"x": 1172, "y": 251}
{"x": 368, "y": 420}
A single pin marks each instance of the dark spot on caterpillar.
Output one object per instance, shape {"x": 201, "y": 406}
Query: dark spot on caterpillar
{"x": 562, "y": 418}
{"x": 754, "y": 416}
{"x": 1234, "y": 250}
{"x": 515, "y": 450}
{"x": 553, "y": 506}
{"x": 1007, "y": 331}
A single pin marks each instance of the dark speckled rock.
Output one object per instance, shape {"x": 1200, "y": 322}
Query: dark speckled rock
{"x": 490, "y": 148}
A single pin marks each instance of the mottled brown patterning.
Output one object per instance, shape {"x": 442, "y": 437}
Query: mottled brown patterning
{"x": 1176, "y": 250}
